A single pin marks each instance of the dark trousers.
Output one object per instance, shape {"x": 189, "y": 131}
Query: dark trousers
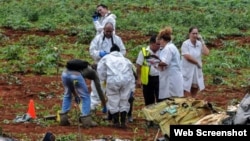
{"x": 131, "y": 101}
{"x": 151, "y": 90}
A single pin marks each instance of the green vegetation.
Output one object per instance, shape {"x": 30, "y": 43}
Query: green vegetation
{"x": 215, "y": 18}
{"x": 45, "y": 54}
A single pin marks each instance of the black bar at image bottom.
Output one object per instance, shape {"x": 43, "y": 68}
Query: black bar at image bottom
{"x": 198, "y": 132}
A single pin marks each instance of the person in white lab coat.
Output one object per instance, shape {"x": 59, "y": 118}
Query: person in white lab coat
{"x": 101, "y": 44}
{"x": 101, "y": 17}
{"x": 117, "y": 72}
{"x": 99, "y": 47}
{"x": 192, "y": 50}
{"x": 171, "y": 80}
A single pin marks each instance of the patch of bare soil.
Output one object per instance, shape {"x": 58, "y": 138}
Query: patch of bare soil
{"x": 46, "y": 91}
{"x": 241, "y": 40}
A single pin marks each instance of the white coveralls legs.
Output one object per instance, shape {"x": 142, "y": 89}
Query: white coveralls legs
{"x": 117, "y": 71}
{"x": 95, "y": 100}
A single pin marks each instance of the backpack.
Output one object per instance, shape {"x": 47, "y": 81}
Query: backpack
{"x": 76, "y": 65}
{"x": 145, "y": 67}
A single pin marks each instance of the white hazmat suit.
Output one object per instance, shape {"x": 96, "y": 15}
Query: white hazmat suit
{"x": 117, "y": 71}
{"x": 98, "y": 44}
{"x": 100, "y": 23}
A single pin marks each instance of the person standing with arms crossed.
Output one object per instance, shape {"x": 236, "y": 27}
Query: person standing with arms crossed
{"x": 192, "y": 50}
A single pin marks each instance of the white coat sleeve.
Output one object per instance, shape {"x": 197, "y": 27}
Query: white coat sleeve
{"x": 140, "y": 58}
{"x": 102, "y": 69}
{"x": 122, "y": 47}
{"x": 93, "y": 49}
{"x": 99, "y": 27}
{"x": 184, "y": 48}
{"x": 167, "y": 55}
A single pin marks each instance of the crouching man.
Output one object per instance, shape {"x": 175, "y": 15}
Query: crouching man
{"x": 73, "y": 79}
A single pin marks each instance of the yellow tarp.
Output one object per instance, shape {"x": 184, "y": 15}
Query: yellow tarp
{"x": 184, "y": 111}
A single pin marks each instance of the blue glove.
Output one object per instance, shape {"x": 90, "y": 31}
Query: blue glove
{"x": 77, "y": 100}
{"x": 102, "y": 53}
{"x": 104, "y": 109}
{"x": 95, "y": 18}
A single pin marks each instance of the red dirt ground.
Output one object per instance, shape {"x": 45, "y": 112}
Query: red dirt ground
{"x": 17, "y": 90}
{"x": 31, "y": 87}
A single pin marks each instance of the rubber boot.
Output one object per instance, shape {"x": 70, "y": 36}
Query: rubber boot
{"x": 87, "y": 121}
{"x": 64, "y": 119}
{"x": 49, "y": 137}
{"x": 108, "y": 116}
{"x": 123, "y": 119}
{"x": 131, "y": 101}
{"x": 115, "y": 118}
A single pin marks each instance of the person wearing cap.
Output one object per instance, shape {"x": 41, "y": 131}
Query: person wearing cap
{"x": 102, "y": 16}
{"x": 117, "y": 72}
{"x": 192, "y": 51}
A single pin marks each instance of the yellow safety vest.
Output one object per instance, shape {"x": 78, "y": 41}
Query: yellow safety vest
{"x": 145, "y": 67}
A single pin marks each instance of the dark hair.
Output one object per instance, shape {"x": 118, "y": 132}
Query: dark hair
{"x": 115, "y": 48}
{"x": 76, "y": 64}
{"x": 192, "y": 28}
{"x": 102, "y": 5}
{"x": 153, "y": 39}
